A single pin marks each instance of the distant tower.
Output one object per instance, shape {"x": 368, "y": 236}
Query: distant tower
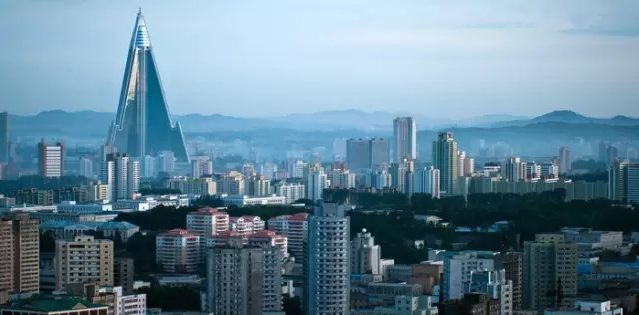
{"x": 404, "y": 138}
{"x": 122, "y": 174}
{"x": 445, "y": 154}
{"x": 565, "y": 163}
{"x": 143, "y": 123}
{"x": 51, "y": 159}
{"x": 4, "y": 137}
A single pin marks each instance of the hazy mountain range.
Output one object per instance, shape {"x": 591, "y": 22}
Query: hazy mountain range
{"x": 95, "y": 124}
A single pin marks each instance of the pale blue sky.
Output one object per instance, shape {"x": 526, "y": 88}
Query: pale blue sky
{"x": 448, "y": 58}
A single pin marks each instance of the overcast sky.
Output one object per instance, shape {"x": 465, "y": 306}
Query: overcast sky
{"x": 448, "y": 58}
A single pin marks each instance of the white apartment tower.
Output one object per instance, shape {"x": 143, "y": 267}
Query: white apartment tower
{"x": 201, "y": 166}
{"x": 457, "y": 272}
{"x": 295, "y": 228}
{"x": 122, "y": 174}
{"x": 316, "y": 183}
{"x": 291, "y": 192}
{"x": 426, "y": 181}
{"x": 404, "y": 138}
{"x": 328, "y": 263}
{"x": 365, "y": 255}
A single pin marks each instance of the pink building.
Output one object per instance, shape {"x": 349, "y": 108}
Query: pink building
{"x": 295, "y": 228}
{"x": 207, "y": 221}
{"x": 178, "y": 251}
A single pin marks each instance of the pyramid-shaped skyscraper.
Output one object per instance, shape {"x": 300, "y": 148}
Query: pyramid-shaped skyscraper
{"x": 143, "y": 124}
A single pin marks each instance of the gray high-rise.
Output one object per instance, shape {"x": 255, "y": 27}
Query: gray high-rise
{"x": 4, "y": 137}
{"x": 404, "y": 138}
{"x": 327, "y": 266}
{"x": 445, "y": 155}
{"x": 243, "y": 280}
{"x": 143, "y": 124}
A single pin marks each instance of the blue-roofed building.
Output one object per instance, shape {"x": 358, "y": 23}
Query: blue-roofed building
{"x": 67, "y": 230}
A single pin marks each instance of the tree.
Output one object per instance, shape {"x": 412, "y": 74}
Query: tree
{"x": 47, "y": 242}
{"x": 292, "y": 305}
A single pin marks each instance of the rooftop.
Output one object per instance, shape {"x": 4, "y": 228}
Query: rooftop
{"x": 177, "y": 232}
{"x": 53, "y": 305}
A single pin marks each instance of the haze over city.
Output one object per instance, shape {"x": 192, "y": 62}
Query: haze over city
{"x": 453, "y": 59}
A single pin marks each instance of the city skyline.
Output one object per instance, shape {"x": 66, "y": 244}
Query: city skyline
{"x": 528, "y": 58}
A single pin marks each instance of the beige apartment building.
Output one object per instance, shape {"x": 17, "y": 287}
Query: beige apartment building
{"x": 19, "y": 254}
{"x": 549, "y": 263}
{"x": 83, "y": 259}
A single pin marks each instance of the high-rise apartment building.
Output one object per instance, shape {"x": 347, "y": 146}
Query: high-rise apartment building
{"x": 316, "y": 183}
{"x": 206, "y": 222}
{"x": 295, "y": 228}
{"x": 258, "y": 238}
{"x": 122, "y": 174}
{"x": 166, "y": 161}
{"x": 84, "y": 259}
{"x": 86, "y": 167}
{"x": 123, "y": 273}
{"x": 445, "y": 155}
{"x": 4, "y": 137}
{"x": 426, "y": 181}
{"x": 19, "y": 254}
{"x": 259, "y": 186}
{"x": 514, "y": 170}
{"x": 565, "y": 161}
{"x": 268, "y": 170}
{"x": 231, "y": 184}
{"x": 623, "y": 182}
{"x": 365, "y": 254}
{"x": 358, "y": 154}
{"x": 178, "y": 250}
{"x": 341, "y": 179}
{"x": 327, "y": 265}
{"x": 143, "y": 124}
{"x": 495, "y": 284}
{"x": 612, "y": 155}
{"x": 296, "y": 168}
{"x": 201, "y": 166}
{"x": 243, "y": 280}
{"x": 292, "y": 192}
{"x": 51, "y": 159}
{"x": 549, "y": 264}
{"x": 148, "y": 166}
{"x": 380, "y": 153}
{"x": 404, "y": 138}
{"x": 511, "y": 263}
{"x": 193, "y": 186}
{"x": 247, "y": 224}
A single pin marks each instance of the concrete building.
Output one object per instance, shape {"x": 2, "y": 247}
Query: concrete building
{"x": 445, "y": 155}
{"x": 54, "y": 306}
{"x": 295, "y": 228}
{"x": 123, "y": 273}
{"x": 404, "y": 138}
{"x": 624, "y": 182}
{"x": 178, "y": 251}
{"x": 426, "y": 181}
{"x": 122, "y": 174}
{"x": 201, "y": 166}
{"x": 548, "y": 262}
{"x": 358, "y": 154}
{"x": 246, "y": 225}
{"x": 588, "y": 308}
{"x": 258, "y": 238}
{"x": 458, "y": 267}
{"x": 470, "y": 304}
{"x": 495, "y": 285}
{"x": 207, "y": 222}
{"x": 244, "y": 200}
{"x": 85, "y": 167}
{"x": 51, "y": 159}
{"x": 407, "y": 305}
{"x": 316, "y": 183}
{"x": 83, "y": 259}
{"x": 243, "y": 280}
{"x": 327, "y": 267}
{"x": 291, "y": 192}
{"x": 68, "y": 230}
{"x": 119, "y": 302}
{"x": 514, "y": 170}
{"x": 590, "y": 242}
{"x": 343, "y": 179}
{"x": 379, "y": 153}
{"x": 204, "y": 186}
{"x": 231, "y": 184}
{"x": 565, "y": 161}
{"x": 74, "y": 207}
{"x": 511, "y": 263}
{"x": 19, "y": 254}
{"x": 365, "y": 255}
{"x": 258, "y": 186}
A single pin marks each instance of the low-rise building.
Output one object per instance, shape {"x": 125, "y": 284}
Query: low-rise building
{"x": 54, "y": 306}
{"x": 591, "y": 242}
{"x": 244, "y": 200}
{"x": 73, "y": 207}
{"x": 69, "y": 229}
{"x": 588, "y": 308}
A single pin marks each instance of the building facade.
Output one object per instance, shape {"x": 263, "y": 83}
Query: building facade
{"x": 404, "y": 138}
{"x": 445, "y": 154}
{"x": 83, "y": 259}
{"x": 178, "y": 251}
{"x": 51, "y": 159}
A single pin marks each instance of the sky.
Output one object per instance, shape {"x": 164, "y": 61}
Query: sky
{"x": 251, "y": 58}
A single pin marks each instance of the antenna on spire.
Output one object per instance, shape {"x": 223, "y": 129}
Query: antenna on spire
{"x": 139, "y": 10}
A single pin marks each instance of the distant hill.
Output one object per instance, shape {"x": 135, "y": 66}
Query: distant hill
{"x": 570, "y": 117}
{"x": 92, "y": 124}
